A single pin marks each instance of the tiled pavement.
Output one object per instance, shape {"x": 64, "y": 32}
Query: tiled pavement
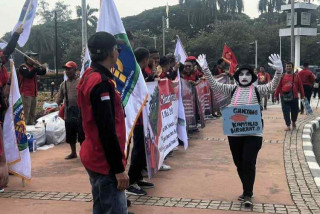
{"x": 304, "y": 192}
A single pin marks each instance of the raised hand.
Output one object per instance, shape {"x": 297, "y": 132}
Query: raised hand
{"x": 276, "y": 63}
{"x": 203, "y": 61}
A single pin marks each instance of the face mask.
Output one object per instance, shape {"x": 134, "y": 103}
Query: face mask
{"x": 245, "y": 77}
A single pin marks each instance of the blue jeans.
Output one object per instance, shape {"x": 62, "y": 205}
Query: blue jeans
{"x": 107, "y": 199}
{"x": 290, "y": 107}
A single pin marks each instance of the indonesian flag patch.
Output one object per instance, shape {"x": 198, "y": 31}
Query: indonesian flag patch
{"x": 105, "y": 96}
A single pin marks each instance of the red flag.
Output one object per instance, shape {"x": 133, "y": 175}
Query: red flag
{"x": 229, "y": 57}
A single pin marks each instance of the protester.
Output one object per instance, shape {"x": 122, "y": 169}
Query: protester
{"x": 188, "y": 73}
{"x": 103, "y": 120}
{"x": 307, "y": 78}
{"x": 289, "y": 87}
{"x": 28, "y": 74}
{"x": 245, "y": 148}
{"x": 138, "y": 156}
{"x": 264, "y": 78}
{"x": 150, "y": 72}
{"x": 174, "y": 66}
{"x": 197, "y": 69}
{"x": 316, "y": 88}
{"x": 68, "y": 96}
{"x": 4, "y": 93}
{"x": 219, "y": 69}
{"x": 164, "y": 64}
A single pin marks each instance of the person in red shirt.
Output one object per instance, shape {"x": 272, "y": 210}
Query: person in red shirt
{"x": 28, "y": 85}
{"x": 307, "y": 79}
{"x": 151, "y": 70}
{"x": 264, "y": 78}
{"x": 4, "y": 94}
{"x": 165, "y": 68}
{"x": 288, "y": 88}
{"x": 103, "y": 120}
{"x": 188, "y": 73}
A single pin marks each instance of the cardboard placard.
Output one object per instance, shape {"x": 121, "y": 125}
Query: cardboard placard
{"x": 242, "y": 120}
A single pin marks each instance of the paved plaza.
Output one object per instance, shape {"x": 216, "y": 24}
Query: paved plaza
{"x": 203, "y": 179}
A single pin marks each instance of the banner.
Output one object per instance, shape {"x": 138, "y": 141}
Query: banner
{"x": 129, "y": 79}
{"x": 14, "y": 134}
{"x": 219, "y": 100}
{"x": 242, "y": 120}
{"x": 160, "y": 121}
{"x": 26, "y": 18}
{"x": 181, "y": 56}
{"x": 189, "y": 103}
{"x": 204, "y": 97}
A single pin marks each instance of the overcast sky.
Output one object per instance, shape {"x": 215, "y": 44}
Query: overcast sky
{"x": 10, "y": 9}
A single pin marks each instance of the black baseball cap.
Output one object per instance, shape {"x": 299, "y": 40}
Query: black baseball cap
{"x": 101, "y": 42}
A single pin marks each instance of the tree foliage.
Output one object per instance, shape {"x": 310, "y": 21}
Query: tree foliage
{"x": 204, "y": 29}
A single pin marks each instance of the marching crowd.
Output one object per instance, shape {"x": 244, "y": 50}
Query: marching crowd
{"x": 94, "y": 116}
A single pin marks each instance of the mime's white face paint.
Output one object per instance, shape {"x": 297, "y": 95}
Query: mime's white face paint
{"x": 245, "y": 77}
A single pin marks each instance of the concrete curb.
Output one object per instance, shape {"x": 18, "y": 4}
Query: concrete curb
{"x": 307, "y": 133}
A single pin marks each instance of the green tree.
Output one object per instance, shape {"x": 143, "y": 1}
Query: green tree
{"x": 91, "y": 18}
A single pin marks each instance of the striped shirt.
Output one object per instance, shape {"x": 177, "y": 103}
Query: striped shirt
{"x": 244, "y": 95}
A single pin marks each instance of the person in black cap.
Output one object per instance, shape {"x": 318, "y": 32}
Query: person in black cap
{"x": 245, "y": 148}
{"x": 103, "y": 120}
{"x": 28, "y": 84}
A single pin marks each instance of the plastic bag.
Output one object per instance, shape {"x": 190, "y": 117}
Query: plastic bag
{"x": 55, "y": 128}
{"x": 38, "y": 132}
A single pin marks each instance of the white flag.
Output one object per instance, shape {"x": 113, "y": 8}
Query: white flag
{"x": 14, "y": 133}
{"x": 86, "y": 61}
{"x": 26, "y": 18}
{"x": 127, "y": 73}
{"x": 181, "y": 57}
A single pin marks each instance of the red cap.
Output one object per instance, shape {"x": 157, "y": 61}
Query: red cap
{"x": 191, "y": 58}
{"x": 70, "y": 64}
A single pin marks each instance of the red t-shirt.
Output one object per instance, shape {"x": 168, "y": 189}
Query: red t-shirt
{"x": 192, "y": 77}
{"x": 285, "y": 85}
{"x": 307, "y": 77}
{"x": 148, "y": 70}
{"x": 263, "y": 78}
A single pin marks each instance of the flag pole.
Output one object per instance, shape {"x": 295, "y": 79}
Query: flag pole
{"x": 27, "y": 12}
{"x": 23, "y": 53}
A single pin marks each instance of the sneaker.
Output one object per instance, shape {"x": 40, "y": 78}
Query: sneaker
{"x": 287, "y": 129}
{"x": 175, "y": 149}
{"x": 1, "y": 190}
{"x": 145, "y": 184}
{"x": 134, "y": 189}
{"x": 241, "y": 197}
{"x": 247, "y": 201}
{"x": 165, "y": 167}
{"x": 294, "y": 125}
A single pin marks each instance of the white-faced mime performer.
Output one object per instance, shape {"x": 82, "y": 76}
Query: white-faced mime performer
{"x": 245, "y": 147}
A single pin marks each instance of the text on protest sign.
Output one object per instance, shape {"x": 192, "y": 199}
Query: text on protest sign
{"x": 242, "y": 120}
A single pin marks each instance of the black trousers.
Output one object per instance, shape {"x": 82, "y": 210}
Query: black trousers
{"x": 315, "y": 92}
{"x": 138, "y": 155}
{"x": 244, "y": 152}
{"x": 291, "y": 107}
{"x": 308, "y": 93}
